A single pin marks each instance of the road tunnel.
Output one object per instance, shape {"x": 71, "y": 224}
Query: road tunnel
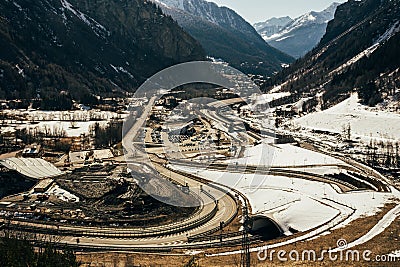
{"x": 265, "y": 227}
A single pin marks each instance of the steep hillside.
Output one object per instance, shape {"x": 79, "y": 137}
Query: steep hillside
{"x": 303, "y": 33}
{"x": 226, "y": 35}
{"x": 360, "y": 51}
{"x": 86, "y": 47}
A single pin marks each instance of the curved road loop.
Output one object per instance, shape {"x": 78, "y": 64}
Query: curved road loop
{"x": 216, "y": 206}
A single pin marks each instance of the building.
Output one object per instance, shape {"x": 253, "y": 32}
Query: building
{"x": 21, "y": 174}
{"x": 32, "y": 151}
{"x": 43, "y": 185}
{"x": 90, "y": 156}
{"x": 31, "y": 168}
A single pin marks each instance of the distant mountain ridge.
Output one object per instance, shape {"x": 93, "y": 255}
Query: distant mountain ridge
{"x": 359, "y": 52}
{"x": 300, "y": 35}
{"x": 272, "y": 26}
{"x": 86, "y": 47}
{"x": 225, "y": 35}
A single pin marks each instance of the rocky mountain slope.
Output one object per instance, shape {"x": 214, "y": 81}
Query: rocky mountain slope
{"x": 86, "y": 47}
{"x": 359, "y": 52}
{"x": 225, "y": 35}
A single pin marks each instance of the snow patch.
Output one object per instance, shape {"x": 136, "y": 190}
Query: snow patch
{"x": 284, "y": 155}
{"x": 121, "y": 69}
{"x": 283, "y": 38}
{"x": 62, "y": 194}
{"x": 171, "y": 3}
{"x": 364, "y": 123}
{"x": 17, "y": 5}
{"x": 98, "y": 29}
{"x": 367, "y": 52}
{"x": 287, "y": 200}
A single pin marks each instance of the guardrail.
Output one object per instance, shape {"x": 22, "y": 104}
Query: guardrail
{"x": 215, "y": 229}
{"x": 217, "y": 187}
{"x": 59, "y": 229}
{"x": 277, "y": 171}
{"x": 155, "y": 249}
{"x": 204, "y": 237}
{"x": 89, "y": 248}
{"x": 110, "y": 233}
{"x": 299, "y": 174}
{"x": 50, "y": 228}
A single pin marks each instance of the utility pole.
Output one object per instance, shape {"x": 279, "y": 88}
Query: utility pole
{"x": 245, "y": 256}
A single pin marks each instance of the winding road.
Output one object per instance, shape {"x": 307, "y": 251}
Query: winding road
{"x": 216, "y": 206}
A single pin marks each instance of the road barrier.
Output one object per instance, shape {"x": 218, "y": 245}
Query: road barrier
{"x": 45, "y": 229}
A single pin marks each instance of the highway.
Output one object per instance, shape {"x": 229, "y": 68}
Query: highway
{"x": 275, "y": 171}
{"x": 213, "y": 210}
{"x": 216, "y": 204}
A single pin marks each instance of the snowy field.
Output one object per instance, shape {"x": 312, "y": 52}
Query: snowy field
{"x": 267, "y": 98}
{"x": 78, "y": 129}
{"x": 296, "y": 203}
{"x": 284, "y": 155}
{"x": 264, "y": 99}
{"x": 58, "y": 121}
{"x": 364, "y": 122}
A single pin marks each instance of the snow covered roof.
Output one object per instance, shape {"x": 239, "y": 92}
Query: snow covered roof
{"x": 31, "y": 168}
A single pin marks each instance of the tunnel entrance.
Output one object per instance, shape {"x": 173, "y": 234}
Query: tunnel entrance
{"x": 265, "y": 227}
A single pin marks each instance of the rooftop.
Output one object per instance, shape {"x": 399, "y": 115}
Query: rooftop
{"x": 31, "y": 167}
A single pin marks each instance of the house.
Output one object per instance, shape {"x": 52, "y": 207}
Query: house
{"x": 43, "y": 185}
{"x": 32, "y": 151}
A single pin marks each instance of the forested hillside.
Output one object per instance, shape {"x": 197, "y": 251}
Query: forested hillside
{"x": 81, "y": 49}
{"x": 359, "y": 52}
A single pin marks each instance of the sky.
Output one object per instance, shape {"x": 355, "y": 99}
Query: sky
{"x": 260, "y": 10}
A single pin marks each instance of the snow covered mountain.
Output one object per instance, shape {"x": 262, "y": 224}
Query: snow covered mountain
{"x": 210, "y": 12}
{"x": 272, "y": 26}
{"x": 360, "y": 52}
{"x": 301, "y": 34}
{"x": 225, "y": 35}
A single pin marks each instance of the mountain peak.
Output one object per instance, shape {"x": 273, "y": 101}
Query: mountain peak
{"x": 225, "y": 35}
{"x": 301, "y": 34}
{"x": 359, "y": 52}
{"x": 273, "y": 25}
{"x": 170, "y": 3}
